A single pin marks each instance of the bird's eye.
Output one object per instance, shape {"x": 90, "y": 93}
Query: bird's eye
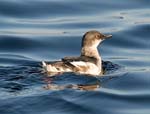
{"x": 98, "y": 36}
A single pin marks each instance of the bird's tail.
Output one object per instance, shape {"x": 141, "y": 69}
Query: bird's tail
{"x": 43, "y": 64}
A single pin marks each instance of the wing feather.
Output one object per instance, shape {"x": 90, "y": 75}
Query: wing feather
{"x": 81, "y": 58}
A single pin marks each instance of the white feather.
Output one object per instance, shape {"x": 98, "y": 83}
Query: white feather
{"x": 43, "y": 63}
{"x": 91, "y": 68}
{"x": 79, "y": 63}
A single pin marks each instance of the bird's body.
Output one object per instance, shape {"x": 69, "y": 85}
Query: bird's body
{"x": 89, "y": 62}
{"x": 81, "y": 65}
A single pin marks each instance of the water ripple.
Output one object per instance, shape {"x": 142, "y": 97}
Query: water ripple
{"x": 32, "y": 31}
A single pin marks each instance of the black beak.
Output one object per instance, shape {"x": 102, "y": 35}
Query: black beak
{"x": 107, "y": 36}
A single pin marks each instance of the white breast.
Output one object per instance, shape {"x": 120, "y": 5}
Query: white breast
{"x": 91, "y": 68}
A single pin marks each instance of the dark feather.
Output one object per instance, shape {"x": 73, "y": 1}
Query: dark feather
{"x": 81, "y": 58}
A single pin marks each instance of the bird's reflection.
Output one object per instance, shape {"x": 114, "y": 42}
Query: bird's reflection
{"x": 50, "y": 86}
{"x": 72, "y": 86}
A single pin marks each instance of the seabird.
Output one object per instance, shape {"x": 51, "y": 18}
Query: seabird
{"x": 89, "y": 62}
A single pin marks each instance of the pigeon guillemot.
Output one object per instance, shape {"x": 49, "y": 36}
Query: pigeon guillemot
{"x": 89, "y": 62}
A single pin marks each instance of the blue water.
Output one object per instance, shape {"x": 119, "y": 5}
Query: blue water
{"x": 35, "y": 30}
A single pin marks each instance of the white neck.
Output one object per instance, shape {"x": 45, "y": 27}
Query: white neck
{"x": 91, "y": 52}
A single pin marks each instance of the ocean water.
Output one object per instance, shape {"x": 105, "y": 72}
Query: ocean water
{"x": 35, "y": 30}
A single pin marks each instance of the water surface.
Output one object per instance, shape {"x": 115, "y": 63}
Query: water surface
{"x": 32, "y": 31}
